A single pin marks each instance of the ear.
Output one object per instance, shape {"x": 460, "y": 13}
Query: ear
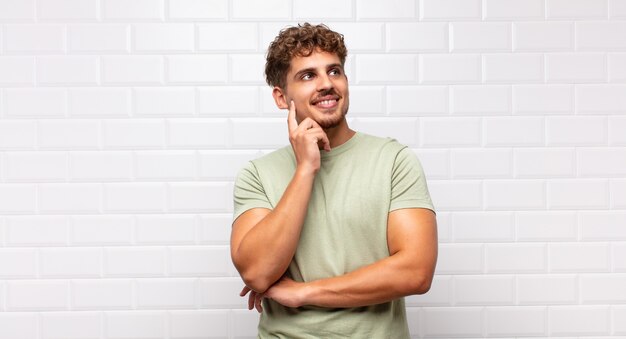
{"x": 280, "y": 98}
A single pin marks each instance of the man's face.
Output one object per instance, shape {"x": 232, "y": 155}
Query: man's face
{"x": 319, "y": 88}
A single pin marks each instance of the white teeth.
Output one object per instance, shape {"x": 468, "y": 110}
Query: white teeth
{"x": 325, "y": 102}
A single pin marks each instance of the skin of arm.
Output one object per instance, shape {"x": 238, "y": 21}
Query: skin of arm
{"x": 275, "y": 233}
{"x": 409, "y": 269}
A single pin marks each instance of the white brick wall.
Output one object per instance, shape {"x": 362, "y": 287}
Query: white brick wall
{"x": 124, "y": 122}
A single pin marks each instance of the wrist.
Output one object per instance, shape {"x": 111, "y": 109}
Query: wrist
{"x": 307, "y": 297}
{"x": 304, "y": 171}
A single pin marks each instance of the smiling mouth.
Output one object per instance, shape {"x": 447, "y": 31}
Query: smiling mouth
{"x": 326, "y": 102}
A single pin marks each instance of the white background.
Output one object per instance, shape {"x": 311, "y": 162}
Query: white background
{"x": 124, "y": 122}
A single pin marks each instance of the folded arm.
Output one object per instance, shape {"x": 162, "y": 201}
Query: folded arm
{"x": 412, "y": 240}
{"x": 264, "y": 241}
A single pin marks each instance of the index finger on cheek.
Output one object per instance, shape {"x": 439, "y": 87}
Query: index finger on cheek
{"x": 292, "y": 123}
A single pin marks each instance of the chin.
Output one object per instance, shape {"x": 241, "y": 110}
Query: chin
{"x": 327, "y": 122}
{"x": 328, "y": 118}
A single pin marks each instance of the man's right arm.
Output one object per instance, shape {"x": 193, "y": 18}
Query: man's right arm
{"x": 264, "y": 241}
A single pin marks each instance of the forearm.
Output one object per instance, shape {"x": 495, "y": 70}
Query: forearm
{"x": 264, "y": 253}
{"x": 391, "y": 278}
{"x": 409, "y": 269}
{"x": 385, "y": 280}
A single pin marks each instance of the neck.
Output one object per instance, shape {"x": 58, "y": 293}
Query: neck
{"x": 339, "y": 134}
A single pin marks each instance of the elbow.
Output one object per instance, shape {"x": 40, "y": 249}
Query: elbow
{"x": 256, "y": 282}
{"x": 251, "y": 278}
{"x": 419, "y": 284}
{"x": 255, "y": 278}
{"x": 423, "y": 286}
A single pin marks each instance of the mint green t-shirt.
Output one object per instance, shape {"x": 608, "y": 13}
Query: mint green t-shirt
{"x": 345, "y": 228}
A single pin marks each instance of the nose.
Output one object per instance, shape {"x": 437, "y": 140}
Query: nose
{"x": 324, "y": 83}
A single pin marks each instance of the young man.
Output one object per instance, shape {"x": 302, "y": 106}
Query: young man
{"x": 331, "y": 232}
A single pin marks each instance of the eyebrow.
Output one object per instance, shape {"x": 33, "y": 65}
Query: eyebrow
{"x": 312, "y": 69}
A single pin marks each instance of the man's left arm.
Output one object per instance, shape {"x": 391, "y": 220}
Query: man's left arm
{"x": 409, "y": 269}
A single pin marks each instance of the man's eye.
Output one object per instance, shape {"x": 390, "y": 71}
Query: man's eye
{"x": 334, "y": 72}
{"x": 307, "y": 76}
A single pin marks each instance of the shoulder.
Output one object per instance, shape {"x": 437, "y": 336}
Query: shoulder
{"x": 277, "y": 158}
{"x": 385, "y": 145}
{"x": 392, "y": 152}
{"x": 273, "y": 162}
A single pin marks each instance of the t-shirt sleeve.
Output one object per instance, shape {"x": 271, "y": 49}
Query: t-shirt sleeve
{"x": 408, "y": 183}
{"x": 248, "y": 192}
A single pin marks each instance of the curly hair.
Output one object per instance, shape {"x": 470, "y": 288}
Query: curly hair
{"x": 301, "y": 41}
